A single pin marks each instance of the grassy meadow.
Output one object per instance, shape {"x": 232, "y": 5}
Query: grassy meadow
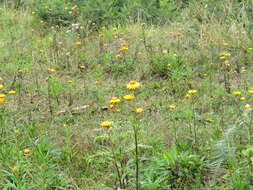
{"x": 104, "y": 95}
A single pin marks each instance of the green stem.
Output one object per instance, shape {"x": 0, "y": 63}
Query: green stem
{"x": 136, "y": 157}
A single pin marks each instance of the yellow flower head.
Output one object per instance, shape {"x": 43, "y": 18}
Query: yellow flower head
{"x": 187, "y": 96}
{"x": 1, "y": 86}
{"x": 247, "y": 106}
{"x": 133, "y": 85}
{"x": 2, "y": 99}
{"x": 192, "y": 92}
{"x": 101, "y": 35}
{"x": 225, "y": 44}
{"x": 12, "y": 92}
{"x": 242, "y": 98}
{"x": 139, "y": 110}
{"x": 78, "y": 43}
{"x": 14, "y": 169}
{"x": 69, "y": 81}
{"x": 114, "y": 29}
{"x": 25, "y": 70}
{"x": 173, "y": 106}
{"x": 50, "y": 70}
{"x": 111, "y": 106}
{"x": 82, "y": 67}
{"x": 1, "y": 79}
{"x": 249, "y": 49}
{"x": 118, "y": 56}
{"x": 129, "y": 97}
{"x": 26, "y": 151}
{"x": 74, "y": 7}
{"x": 115, "y": 100}
{"x": 236, "y": 93}
{"x": 251, "y": 91}
{"x": 17, "y": 132}
{"x": 225, "y": 54}
{"x": 123, "y": 49}
{"x": 208, "y": 120}
{"x": 106, "y": 124}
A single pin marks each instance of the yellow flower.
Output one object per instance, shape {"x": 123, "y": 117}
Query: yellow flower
{"x": 17, "y": 132}
{"x": 222, "y": 57}
{"x": 114, "y": 29}
{"x": 2, "y": 99}
{"x": 173, "y": 106}
{"x": 26, "y": 151}
{"x": 74, "y": 7}
{"x": 139, "y": 110}
{"x": 225, "y": 54}
{"x": 25, "y": 70}
{"x": 208, "y": 120}
{"x": 133, "y": 85}
{"x": 51, "y": 70}
{"x": 111, "y": 106}
{"x": 69, "y": 81}
{"x": 249, "y": 49}
{"x": 14, "y": 169}
{"x": 1, "y": 86}
{"x": 78, "y": 43}
{"x": 115, "y": 100}
{"x": 129, "y": 97}
{"x": 123, "y": 49}
{"x": 236, "y": 93}
{"x": 192, "y": 92}
{"x": 101, "y": 35}
{"x": 227, "y": 63}
{"x": 187, "y": 96}
{"x": 82, "y": 67}
{"x": 247, "y": 106}
{"x": 12, "y": 92}
{"x": 251, "y": 91}
{"x": 1, "y": 79}
{"x": 225, "y": 44}
{"x": 118, "y": 55}
{"x": 242, "y": 98}
{"x": 106, "y": 124}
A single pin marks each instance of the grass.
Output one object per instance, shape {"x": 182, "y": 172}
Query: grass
{"x": 195, "y": 131}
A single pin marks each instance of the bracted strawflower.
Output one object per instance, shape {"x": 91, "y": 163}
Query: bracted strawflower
{"x": 236, "y": 93}
{"x": 78, "y": 43}
{"x": 173, "y": 106}
{"x": 139, "y": 110}
{"x": 242, "y": 98}
{"x": 106, "y": 124}
{"x": 111, "y": 106}
{"x": 187, "y": 96}
{"x": 133, "y": 85}
{"x": 26, "y": 151}
{"x": 208, "y": 120}
{"x": 2, "y": 99}
{"x": 129, "y": 97}
{"x": 17, "y": 132}
{"x": 123, "y": 49}
{"x": 247, "y": 106}
{"x": 50, "y": 70}
{"x": 192, "y": 92}
{"x": 115, "y": 100}
{"x": 12, "y": 92}
{"x": 14, "y": 169}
